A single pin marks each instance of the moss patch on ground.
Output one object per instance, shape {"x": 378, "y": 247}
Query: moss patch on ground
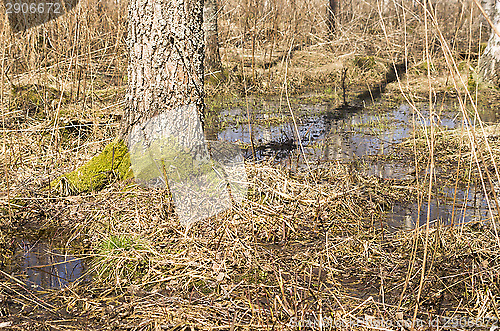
{"x": 32, "y": 99}
{"x": 112, "y": 163}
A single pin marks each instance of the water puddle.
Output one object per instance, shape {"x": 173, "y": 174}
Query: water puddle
{"x": 42, "y": 266}
{"x": 448, "y": 208}
{"x": 324, "y": 132}
{"x": 355, "y": 134}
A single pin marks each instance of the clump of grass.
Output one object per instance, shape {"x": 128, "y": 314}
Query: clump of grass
{"x": 121, "y": 259}
{"x": 120, "y": 242}
{"x": 32, "y": 99}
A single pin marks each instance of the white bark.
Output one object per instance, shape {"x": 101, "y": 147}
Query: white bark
{"x": 489, "y": 64}
{"x": 166, "y": 47}
{"x": 488, "y": 6}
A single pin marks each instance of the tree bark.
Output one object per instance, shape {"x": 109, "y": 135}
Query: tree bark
{"x": 165, "y": 104}
{"x": 212, "y": 55}
{"x": 489, "y": 63}
{"x": 333, "y": 17}
{"x": 165, "y": 71}
{"x": 488, "y": 6}
{"x": 164, "y": 112}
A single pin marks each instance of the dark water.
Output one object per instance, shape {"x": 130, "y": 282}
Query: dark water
{"x": 327, "y": 134}
{"x": 466, "y": 206}
{"x": 44, "y": 266}
{"x": 348, "y": 135}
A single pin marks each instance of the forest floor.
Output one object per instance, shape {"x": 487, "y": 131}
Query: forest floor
{"x": 308, "y": 245}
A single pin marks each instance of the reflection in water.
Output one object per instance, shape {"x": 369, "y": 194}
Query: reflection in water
{"x": 46, "y": 267}
{"x": 447, "y": 209}
{"x": 329, "y": 134}
{"x": 390, "y": 170}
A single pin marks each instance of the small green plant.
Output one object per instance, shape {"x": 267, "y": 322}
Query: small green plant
{"x": 482, "y": 47}
{"x": 463, "y": 66}
{"x": 121, "y": 257}
{"x": 201, "y": 286}
{"x": 423, "y": 67}
{"x": 256, "y": 276}
{"x": 32, "y": 99}
{"x": 119, "y": 242}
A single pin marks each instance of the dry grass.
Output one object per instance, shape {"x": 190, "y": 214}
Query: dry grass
{"x": 303, "y": 245}
{"x": 299, "y": 245}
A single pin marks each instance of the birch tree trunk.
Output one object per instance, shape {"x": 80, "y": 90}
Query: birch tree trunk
{"x": 164, "y": 118}
{"x": 212, "y": 55}
{"x": 488, "y": 6}
{"x": 489, "y": 63}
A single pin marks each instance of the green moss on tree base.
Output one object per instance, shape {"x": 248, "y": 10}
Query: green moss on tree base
{"x": 112, "y": 163}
